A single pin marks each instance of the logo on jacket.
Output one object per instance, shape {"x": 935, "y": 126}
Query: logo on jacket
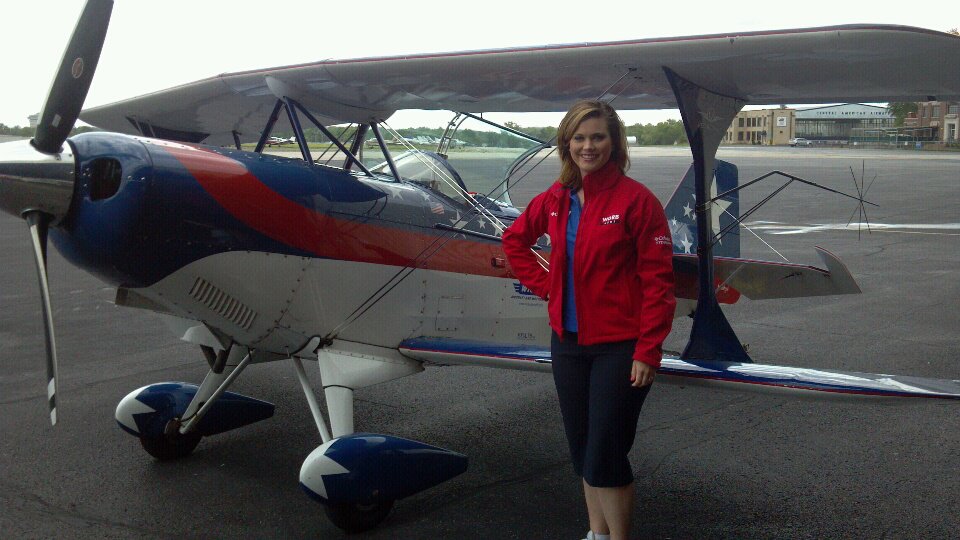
{"x": 611, "y": 219}
{"x": 554, "y": 214}
{"x": 663, "y": 240}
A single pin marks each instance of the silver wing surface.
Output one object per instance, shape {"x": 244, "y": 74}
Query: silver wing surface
{"x": 759, "y": 378}
{"x": 852, "y": 63}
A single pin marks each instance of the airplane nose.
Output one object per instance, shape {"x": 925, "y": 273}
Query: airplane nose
{"x": 37, "y": 176}
{"x": 32, "y": 181}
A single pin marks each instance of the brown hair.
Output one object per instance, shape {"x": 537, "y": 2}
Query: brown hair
{"x": 580, "y": 111}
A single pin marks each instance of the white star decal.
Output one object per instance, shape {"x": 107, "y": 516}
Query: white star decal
{"x": 455, "y": 220}
{"x": 674, "y": 223}
{"x": 686, "y": 244}
{"x": 316, "y": 466}
{"x": 130, "y": 406}
{"x": 719, "y": 207}
{"x": 395, "y": 193}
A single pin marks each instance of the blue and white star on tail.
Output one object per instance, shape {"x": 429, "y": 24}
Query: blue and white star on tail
{"x": 719, "y": 207}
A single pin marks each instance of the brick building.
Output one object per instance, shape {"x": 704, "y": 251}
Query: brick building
{"x": 940, "y": 116}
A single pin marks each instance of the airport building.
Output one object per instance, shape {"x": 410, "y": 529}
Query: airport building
{"x": 830, "y": 124}
{"x": 767, "y": 126}
{"x": 840, "y": 122}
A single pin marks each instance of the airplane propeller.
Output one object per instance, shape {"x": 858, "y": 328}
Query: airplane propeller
{"x": 37, "y": 178}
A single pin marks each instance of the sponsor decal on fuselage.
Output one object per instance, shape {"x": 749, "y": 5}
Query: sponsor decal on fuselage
{"x": 525, "y": 296}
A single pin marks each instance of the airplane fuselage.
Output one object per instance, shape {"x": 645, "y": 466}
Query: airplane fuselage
{"x": 273, "y": 251}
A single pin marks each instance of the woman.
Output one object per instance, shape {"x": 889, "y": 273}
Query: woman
{"x": 610, "y": 300}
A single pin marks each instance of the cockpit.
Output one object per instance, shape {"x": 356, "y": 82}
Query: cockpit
{"x": 434, "y": 172}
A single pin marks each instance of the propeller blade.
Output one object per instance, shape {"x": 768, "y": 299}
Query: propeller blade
{"x": 39, "y": 224}
{"x": 73, "y": 78}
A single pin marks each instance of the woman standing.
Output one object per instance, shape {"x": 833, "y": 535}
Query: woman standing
{"x": 610, "y": 300}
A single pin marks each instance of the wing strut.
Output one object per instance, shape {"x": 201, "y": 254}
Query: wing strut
{"x": 265, "y": 134}
{"x": 298, "y": 130}
{"x": 706, "y": 117}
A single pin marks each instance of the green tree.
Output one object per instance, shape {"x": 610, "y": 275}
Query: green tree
{"x": 900, "y": 110}
{"x": 18, "y": 131}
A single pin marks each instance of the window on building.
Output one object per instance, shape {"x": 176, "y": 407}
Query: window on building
{"x": 936, "y": 111}
{"x": 740, "y": 122}
{"x": 740, "y": 135}
{"x": 952, "y": 109}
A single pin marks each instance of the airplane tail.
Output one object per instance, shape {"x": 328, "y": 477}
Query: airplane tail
{"x": 680, "y": 210}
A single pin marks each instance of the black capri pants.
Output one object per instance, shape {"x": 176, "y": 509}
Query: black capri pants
{"x": 600, "y": 407}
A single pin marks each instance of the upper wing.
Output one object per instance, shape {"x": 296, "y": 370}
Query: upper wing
{"x": 865, "y": 63}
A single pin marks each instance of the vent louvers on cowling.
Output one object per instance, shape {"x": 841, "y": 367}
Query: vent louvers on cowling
{"x": 225, "y": 305}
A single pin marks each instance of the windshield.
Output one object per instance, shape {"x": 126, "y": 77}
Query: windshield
{"x": 483, "y": 155}
{"x": 428, "y": 169}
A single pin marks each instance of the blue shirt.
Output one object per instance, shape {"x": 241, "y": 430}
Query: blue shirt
{"x": 569, "y": 299}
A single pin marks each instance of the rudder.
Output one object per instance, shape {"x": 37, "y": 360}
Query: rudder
{"x": 680, "y": 210}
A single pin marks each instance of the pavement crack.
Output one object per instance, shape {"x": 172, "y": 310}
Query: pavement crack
{"x": 761, "y": 418}
{"x": 32, "y": 503}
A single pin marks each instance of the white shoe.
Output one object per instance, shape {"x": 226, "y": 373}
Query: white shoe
{"x": 591, "y": 536}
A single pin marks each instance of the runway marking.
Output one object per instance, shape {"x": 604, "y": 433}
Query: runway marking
{"x": 775, "y": 227}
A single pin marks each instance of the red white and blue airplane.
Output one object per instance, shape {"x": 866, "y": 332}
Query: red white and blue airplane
{"x": 376, "y": 272}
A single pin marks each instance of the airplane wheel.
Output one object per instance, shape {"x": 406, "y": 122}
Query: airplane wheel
{"x": 357, "y": 518}
{"x": 170, "y": 447}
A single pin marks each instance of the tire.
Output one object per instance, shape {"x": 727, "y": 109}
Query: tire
{"x": 170, "y": 447}
{"x": 357, "y": 518}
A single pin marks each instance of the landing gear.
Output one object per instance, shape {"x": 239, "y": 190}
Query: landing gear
{"x": 357, "y": 518}
{"x": 171, "y": 446}
{"x": 169, "y": 419}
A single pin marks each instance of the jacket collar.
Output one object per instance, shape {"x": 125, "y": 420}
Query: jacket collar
{"x": 597, "y": 181}
{"x": 602, "y": 179}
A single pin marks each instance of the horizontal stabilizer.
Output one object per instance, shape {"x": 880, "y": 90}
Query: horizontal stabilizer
{"x": 763, "y": 378}
{"x": 763, "y": 280}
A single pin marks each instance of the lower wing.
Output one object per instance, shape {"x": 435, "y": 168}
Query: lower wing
{"x": 764, "y": 378}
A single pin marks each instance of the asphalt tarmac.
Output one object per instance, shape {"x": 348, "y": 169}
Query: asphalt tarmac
{"x": 708, "y": 463}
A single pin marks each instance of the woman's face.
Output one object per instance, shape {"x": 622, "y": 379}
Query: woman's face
{"x": 590, "y": 145}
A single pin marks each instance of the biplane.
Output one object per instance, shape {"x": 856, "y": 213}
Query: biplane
{"x": 379, "y": 269}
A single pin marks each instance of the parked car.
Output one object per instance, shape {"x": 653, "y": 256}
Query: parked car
{"x": 800, "y": 141}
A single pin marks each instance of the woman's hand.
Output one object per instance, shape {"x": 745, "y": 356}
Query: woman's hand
{"x": 642, "y": 374}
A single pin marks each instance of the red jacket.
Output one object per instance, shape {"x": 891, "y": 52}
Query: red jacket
{"x": 623, "y": 267}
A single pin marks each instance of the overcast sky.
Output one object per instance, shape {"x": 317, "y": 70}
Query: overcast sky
{"x": 152, "y": 45}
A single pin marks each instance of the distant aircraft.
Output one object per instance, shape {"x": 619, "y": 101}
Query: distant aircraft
{"x": 378, "y": 273}
{"x": 278, "y": 141}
